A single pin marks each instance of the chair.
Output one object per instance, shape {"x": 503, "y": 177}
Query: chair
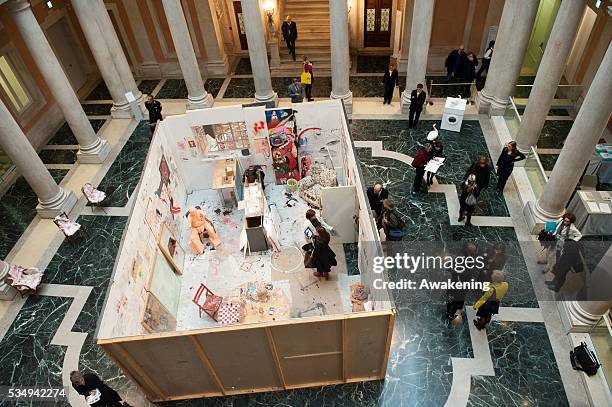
{"x": 68, "y": 227}
{"x": 25, "y": 281}
{"x": 207, "y": 302}
{"x": 94, "y": 196}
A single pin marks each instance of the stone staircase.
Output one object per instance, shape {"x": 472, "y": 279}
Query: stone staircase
{"x": 312, "y": 19}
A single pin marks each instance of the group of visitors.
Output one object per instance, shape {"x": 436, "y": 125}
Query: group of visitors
{"x": 387, "y": 219}
{"x": 302, "y": 86}
{"x": 461, "y": 65}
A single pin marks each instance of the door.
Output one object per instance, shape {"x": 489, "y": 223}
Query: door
{"x": 68, "y": 53}
{"x": 377, "y": 23}
{"x": 240, "y": 25}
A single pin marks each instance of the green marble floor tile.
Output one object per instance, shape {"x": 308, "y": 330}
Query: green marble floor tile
{"x": 64, "y": 135}
{"x": 146, "y": 86}
{"x": 97, "y": 109}
{"x": 100, "y": 92}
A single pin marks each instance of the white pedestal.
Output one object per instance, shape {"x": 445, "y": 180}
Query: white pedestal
{"x": 452, "y": 117}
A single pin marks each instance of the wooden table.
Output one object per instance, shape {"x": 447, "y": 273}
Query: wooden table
{"x": 224, "y": 180}
{"x": 274, "y": 309}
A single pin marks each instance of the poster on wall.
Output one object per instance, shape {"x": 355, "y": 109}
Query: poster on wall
{"x": 218, "y": 137}
{"x": 283, "y": 144}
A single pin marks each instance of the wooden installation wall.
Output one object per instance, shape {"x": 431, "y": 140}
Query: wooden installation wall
{"x": 255, "y": 358}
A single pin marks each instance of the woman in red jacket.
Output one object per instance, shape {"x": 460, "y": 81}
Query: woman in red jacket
{"x": 419, "y": 162}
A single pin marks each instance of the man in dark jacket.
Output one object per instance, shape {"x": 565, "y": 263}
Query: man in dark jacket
{"x": 155, "y": 109}
{"x": 290, "y": 34}
{"x": 419, "y": 162}
{"x": 89, "y": 384}
{"x": 570, "y": 259}
{"x": 417, "y": 100}
{"x": 482, "y": 170}
{"x": 295, "y": 91}
{"x": 453, "y": 62}
{"x": 376, "y": 195}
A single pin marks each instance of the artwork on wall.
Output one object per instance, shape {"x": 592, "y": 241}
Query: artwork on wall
{"x": 155, "y": 317}
{"x": 283, "y": 143}
{"x": 171, "y": 248}
{"x": 164, "y": 283}
{"x": 219, "y": 137}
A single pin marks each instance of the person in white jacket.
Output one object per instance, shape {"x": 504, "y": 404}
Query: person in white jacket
{"x": 312, "y": 223}
{"x": 565, "y": 230}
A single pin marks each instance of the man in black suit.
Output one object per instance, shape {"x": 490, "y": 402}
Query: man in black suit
{"x": 417, "y": 100}
{"x": 289, "y": 29}
{"x": 376, "y": 195}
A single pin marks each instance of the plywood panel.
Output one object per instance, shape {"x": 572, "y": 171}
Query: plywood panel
{"x": 242, "y": 359}
{"x": 313, "y": 369}
{"x": 366, "y": 345}
{"x": 306, "y": 339}
{"x": 173, "y": 365}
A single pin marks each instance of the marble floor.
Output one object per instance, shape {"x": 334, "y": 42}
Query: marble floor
{"x": 519, "y": 360}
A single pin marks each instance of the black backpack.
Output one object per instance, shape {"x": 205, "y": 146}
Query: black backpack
{"x": 584, "y": 359}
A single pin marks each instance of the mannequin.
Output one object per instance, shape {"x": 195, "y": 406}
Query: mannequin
{"x": 200, "y": 226}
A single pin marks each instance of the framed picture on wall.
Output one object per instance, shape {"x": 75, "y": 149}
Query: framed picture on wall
{"x": 156, "y": 317}
{"x": 171, "y": 248}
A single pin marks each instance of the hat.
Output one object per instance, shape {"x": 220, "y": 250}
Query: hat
{"x": 432, "y": 135}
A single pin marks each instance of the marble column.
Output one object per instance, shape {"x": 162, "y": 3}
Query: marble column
{"x": 197, "y": 97}
{"x": 217, "y": 60}
{"x": 510, "y": 46}
{"x": 101, "y": 53}
{"x": 340, "y": 53}
{"x": 402, "y": 63}
{"x": 116, "y": 50}
{"x": 469, "y": 21}
{"x": 253, "y": 25}
{"x": 590, "y": 122}
{"x": 420, "y": 34}
{"x": 550, "y": 72}
{"x": 92, "y": 149}
{"x": 7, "y": 293}
{"x": 52, "y": 199}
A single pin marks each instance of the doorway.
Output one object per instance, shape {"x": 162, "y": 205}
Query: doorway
{"x": 377, "y": 23}
{"x": 240, "y": 24}
{"x": 584, "y": 32}
{"x": 68, "y": 52}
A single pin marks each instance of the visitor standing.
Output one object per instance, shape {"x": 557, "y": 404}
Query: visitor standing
{"x": 486, "y": 61}
{"x": 467, "y": 67}
{"x": 313, "y": 223}
{"x": 155, "y": 112}
{"x": 488, "y": 304}
{"x": 565, "y": 230}
{"x": 307, "y": 78}
{"x": 392, "y": 224}
{"x": 505, "y": 164}
{"x": 390, "y": 80}
{"x": 376, "y": 195}
{"x": 295, "y": 91}
{"x": 453, "y": 62}
{"x": 290, "y": 34}
{"x": 482, "y": 170}
{"x": 436, "y": 150}
{"x": 570, "y": 258}
{"x": 467, "y": 200}
{"x": 323, "y": 256}
{"x": 417, "y": 100}
{"x": 419, "y": 162}
{"x": 92, "y": 387}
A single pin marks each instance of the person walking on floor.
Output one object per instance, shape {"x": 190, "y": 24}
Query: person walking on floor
{"x": 436, "y": 150}
{"x": 323, "y": 256}
{"x": 495, "y": 259}
{"x": 376, "y": 195}
{"x": 390, "y": 80}
{"x": 419, "y": 162}
{"x": 453, "y": 62}
{"x": 467, "y": 200}
{"x": 89, "y": 384}
{"x": 417, "y": 100}
{"x": 505, "y": 164}
{"x": 295, "y": 91}
{"x": 570, "y": 258}
{"x": 488, "y": 304}
{"x": 486, "y": 61}
{"x": 391, "y": 223}
{"x": 290, "y": 34}
{"x": 482, "y": 170}
{"x": 307, "y": 78}
{"x": 155, "y": 112}
{"x": 565, "y": 230}
{"x": 455, "y": 298}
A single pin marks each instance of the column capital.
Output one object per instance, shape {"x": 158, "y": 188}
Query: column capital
{"x": 15, "y": 6}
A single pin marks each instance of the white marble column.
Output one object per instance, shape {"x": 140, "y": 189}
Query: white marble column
{"x": 52, "y": 199}
{"x": 549, "y": 73}
{"x": 104, "y": 61}
{"x": 420, "y": 34}
{"x": 469, "y": 21}
{"x": 116, "y": 50}
{"x": 197, "y": 97}
{"x": 510, "y": 46}
{"x": 340, "y": 53}
{"x": 590, "y": 122}
{"x": 217, "y": 60}
{"x": 92, "y": 149}
{"x": 253, "y": 25}
{"x": 402, "y": 63}
{"x": 7, "y": 293}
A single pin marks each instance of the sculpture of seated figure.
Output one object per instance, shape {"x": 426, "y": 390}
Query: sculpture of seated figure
{"x": 201, "y": 226}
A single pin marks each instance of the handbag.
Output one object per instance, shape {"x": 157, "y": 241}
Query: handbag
{"x": 470, "y": 200}
{"x": 309, "y": 260}
{"x": 395, "y": 234}
{"x": 306, "y": 78}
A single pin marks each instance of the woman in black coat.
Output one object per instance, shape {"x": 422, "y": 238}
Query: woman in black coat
{"x": 482, "y": 170}
{"x": 323, "y": 256}
{"x": 467, "y": 200}
{"x": 88, "y": 383}
{"x": 505, "y": 164}
{"x": 436, "y": 150}
{"x": 390, "y": 80}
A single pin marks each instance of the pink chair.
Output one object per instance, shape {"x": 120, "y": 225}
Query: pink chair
{"x": 94, "y": 196}
{"x": 25, "y": 281}
{"x": 68, "y": 227}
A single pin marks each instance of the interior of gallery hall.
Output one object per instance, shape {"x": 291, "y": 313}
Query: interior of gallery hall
{"x": 206, "y": 202}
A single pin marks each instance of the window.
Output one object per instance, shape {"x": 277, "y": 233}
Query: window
{"x": 12, "y": 86}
